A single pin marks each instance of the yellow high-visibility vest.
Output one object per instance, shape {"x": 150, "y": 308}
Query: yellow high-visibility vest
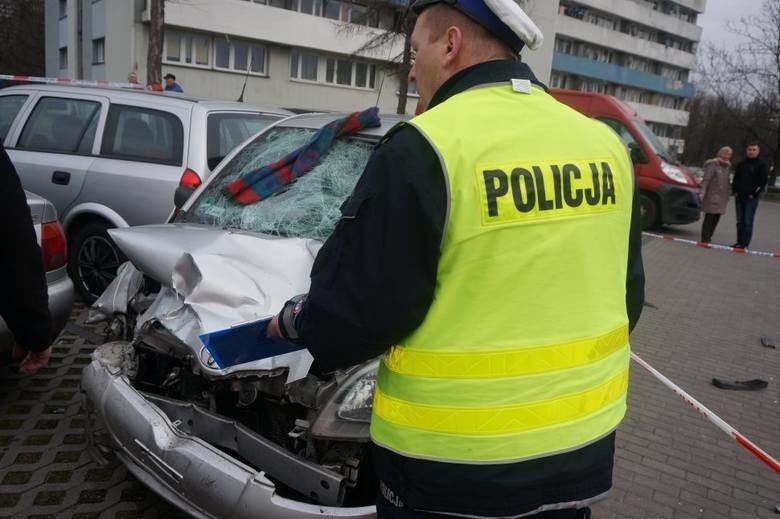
{"x": 524, "y": 351}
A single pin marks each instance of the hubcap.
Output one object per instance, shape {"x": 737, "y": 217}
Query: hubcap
{"x": 97, "y": 264}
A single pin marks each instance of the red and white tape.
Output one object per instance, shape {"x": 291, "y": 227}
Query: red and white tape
{"x": 754, "y": 449}
{"x": 72, "y": 82}
{"x": 706, "y": 245}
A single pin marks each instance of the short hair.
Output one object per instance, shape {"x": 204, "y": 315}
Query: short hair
{"x": 754, "y": 143}
{"x": 725, "y": 149}
{"x": 444, "y": 16}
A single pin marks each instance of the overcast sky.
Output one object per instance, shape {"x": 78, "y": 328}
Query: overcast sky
{"x": 718, "y": 11}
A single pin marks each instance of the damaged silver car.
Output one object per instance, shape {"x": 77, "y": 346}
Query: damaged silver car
{"x": 265, "y": 438}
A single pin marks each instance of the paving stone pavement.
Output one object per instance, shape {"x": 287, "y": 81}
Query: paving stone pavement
{"x": 45, "y": 470}
{"x": 709, "y": 309}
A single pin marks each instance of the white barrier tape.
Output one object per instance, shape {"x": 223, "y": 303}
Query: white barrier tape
{"x": 705, "y": 245}
{"x": 716, "y": 420}
{"x": 72, "y": 82}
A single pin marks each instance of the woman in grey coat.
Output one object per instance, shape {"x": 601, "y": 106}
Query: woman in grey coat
{"x": 715, "y": 191}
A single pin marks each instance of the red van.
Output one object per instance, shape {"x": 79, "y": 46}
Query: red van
{"x": 668, "y": 192}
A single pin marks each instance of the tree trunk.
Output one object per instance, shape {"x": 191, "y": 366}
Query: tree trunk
{"x": 154, "y": 56}
{"x": 406, "y": 66}
{"x": 776, "y": 163}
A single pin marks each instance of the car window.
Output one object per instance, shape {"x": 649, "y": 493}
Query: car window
{"x": 226, "y": 131}
{"x": 143, "y": 134}
{"x": 307, "y": 208}
{"x": 620, "y": 129}
{"x": 61, "y": 125}
{"x": 9, "y": 107}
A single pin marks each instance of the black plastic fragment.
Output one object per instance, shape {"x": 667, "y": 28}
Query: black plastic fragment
{"x": 745, "y": 385}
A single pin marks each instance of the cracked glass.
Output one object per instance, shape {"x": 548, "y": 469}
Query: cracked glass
{"x": 307, "y": 208}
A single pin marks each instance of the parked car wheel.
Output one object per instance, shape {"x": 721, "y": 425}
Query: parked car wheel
{"x": 93, "y": 260}
{"x": 649, "y": 212}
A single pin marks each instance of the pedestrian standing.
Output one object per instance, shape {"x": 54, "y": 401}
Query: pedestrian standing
{"x": 715, "y": 191}
{"x": 24, "y": 297}
{"x": 491, "y": 252}
{"x": 750, "y": 178}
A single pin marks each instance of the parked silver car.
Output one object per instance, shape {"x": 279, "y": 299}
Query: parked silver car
{"x": 262, "y": 439}
{"x": 113, "y": 158}
{"x": 53, "y": 250}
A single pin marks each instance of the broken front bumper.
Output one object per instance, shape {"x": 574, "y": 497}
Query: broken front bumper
{"x": 170, "y": 446}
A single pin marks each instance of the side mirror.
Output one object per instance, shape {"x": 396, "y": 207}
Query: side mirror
{"x": 637, "y": 155}
{"x": 183, "y": 193}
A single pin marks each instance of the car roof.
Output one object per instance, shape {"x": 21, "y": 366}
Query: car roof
{"x": 316, "y": 121}
{"x": 126, "y": 94}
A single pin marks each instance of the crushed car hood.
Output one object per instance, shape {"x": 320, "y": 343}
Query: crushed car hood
{"x": 213, "y": 279}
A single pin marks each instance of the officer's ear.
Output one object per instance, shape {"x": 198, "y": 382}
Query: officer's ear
{"x": 454, "y": 40}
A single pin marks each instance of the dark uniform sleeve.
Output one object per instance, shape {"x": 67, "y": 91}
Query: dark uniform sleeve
{"x": 635, "y": 277}
{"x": 24, "y": 300}
{"x": 373, "y": 280}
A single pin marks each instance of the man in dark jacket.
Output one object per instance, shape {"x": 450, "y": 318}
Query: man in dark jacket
{"x": 24, "y": 299}
{"x": 750, "y": 179}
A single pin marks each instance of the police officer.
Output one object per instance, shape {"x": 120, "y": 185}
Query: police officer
{"x": 491, "y": 252}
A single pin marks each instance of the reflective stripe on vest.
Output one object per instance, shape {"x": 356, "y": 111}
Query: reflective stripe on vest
{"x": 524, "y": 350}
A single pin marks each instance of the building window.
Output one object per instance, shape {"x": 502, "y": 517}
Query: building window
{"x": 63, "y": 9}
{"x": 365, "y": 75}
{"x": 341, "y": 10}
{"x": 337, "y": 71}
{"x": 346, "y": 72}
{"x": 311, "y": 7}
{"x": 221, "y": 53}
{"x": 99, "y": 51}
{"x": 332, "y": 9}
{"x": 304, "y": 65}
{"x": 290, "y": 5}
{"x": 187, "y": 49}
{"x": 63, "y": 58}
{"x": 240, "y": 56}
{"x": 361, "y": 15}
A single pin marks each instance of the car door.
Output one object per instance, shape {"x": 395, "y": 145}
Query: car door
{"x": 55, "y": 147}
{"x": 140, "y": 163}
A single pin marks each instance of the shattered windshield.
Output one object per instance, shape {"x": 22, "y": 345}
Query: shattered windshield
{"x": 307, "y": 208}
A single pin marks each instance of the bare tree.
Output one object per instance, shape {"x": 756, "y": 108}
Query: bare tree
{"x": 746, "y": 79}
{"x": 22, "y": 37}
{"x": 400, "y": 29}
{"x": 154, "y": 54}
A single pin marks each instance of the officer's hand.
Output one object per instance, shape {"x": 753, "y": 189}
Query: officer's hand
{"x": 273, "y": 327}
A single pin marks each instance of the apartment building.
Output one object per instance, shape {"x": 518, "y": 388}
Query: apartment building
{"x": 291, "y": 53}
{"x": 640, "y": 51}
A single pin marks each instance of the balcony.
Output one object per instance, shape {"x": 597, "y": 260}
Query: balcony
{"x": 659, "y": 114}
{"x": 275, "y": 25}
{"x": 587, "y": 32}
{"x": 647, "y": 17}
{"x": 619, "y": 75}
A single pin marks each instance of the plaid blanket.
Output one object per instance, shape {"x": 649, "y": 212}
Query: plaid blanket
{"x": 267, "y": 180}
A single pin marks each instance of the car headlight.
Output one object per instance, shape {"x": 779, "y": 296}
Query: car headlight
{"x": 674, "y": 173}
{"x": 357, "y": 404}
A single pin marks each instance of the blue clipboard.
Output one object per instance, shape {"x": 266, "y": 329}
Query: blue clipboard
{"x": 244, "y": 343}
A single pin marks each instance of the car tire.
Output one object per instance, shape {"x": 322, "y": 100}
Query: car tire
{"x": 649, "y": 212}
{"x": 93, "y": 260}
